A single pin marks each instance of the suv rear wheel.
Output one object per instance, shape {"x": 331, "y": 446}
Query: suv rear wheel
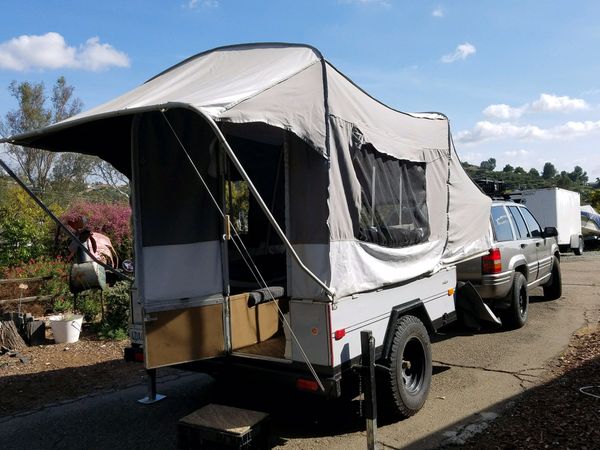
{"x": 516, "y": 315}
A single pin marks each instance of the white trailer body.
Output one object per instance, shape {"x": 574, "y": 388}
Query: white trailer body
{"x": 560, "y": 208}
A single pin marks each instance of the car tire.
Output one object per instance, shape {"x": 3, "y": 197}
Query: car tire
{"x": 553, "y": 289}
{"x": 516, "y": 315}
{"x": 579, "y": 250}
{"x": 404, "y": 387}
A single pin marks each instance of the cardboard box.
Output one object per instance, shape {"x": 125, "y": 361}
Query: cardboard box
{"x": 251, "y": 325}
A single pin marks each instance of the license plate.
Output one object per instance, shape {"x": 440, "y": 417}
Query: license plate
{"x": 136, "y": 334}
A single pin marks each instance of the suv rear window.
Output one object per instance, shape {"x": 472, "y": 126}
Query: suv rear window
{"x": 501, "y": 224}
{"x": 519, "y": 222}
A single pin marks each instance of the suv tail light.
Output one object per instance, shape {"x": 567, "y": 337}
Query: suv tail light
{"x": 492, "y": 263}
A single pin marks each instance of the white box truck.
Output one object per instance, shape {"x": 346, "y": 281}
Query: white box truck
{"x": 556, "y": 207}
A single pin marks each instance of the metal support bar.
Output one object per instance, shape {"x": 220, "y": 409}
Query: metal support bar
{"x": 152, "y": 396}
{"x": 367, "y": 343}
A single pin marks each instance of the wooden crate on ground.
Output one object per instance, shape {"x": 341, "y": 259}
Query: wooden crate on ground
{"x": 220, "y": 427}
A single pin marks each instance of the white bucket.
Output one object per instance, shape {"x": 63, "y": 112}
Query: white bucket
{"x": 66, "y": 329}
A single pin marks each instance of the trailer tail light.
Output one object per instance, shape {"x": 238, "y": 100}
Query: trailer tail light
{"x": 492, "y": 263}
{"x": 307, "y": 385}
{"x": 339, "y": 334}
{"x": 133, "y": 354}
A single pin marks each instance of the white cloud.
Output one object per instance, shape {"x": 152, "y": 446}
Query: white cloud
{"x": 503, "y": 111}
{"x": 553, "y": 103}
{"x": 485, "y": 130}
{"x": 470, "y": 157}
{"x": 516, "y": 153}
{"x": 50, "y": 51}
{"x": 545, "y": 103}
{"x": 578, "y": 128}
{"x": 462, "y": 52}
{"x": 438, "y": 12}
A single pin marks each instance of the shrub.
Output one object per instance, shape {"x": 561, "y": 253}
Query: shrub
{"x": 26, "y": 231}
{"x": 116, "y": 317}
{"x": 89, "y": 303}
{"x": 56, "y": 270}
{"x": 112, "y": 220}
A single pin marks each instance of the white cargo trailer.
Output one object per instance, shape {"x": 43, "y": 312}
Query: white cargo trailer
{"x": 556, "y": 207}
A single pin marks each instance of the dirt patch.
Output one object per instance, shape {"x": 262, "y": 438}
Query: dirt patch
{"x": 51, "y": 373}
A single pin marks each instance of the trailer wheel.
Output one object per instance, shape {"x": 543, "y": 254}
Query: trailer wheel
{"x": 406, "y": 385}
{"x": 516, "y": 315}
{"x": 553, "y": 289}
{"x": 579, "y": 250}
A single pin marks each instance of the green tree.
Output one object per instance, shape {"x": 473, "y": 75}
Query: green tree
{"x": 519, "y": 170}
{"x": 534, "y": 173}
{"x": 490, "y": 164}
{"x": 33, "y": 112}
{"x": 564, "y": 181}
{"x": 595, "y": 199}
{"x": 549, "y": 171}
{"x": 578, "y": 175}
{"x": 508, "y": 168}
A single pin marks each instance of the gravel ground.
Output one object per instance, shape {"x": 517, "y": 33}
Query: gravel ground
{"x": 50, "y": 373}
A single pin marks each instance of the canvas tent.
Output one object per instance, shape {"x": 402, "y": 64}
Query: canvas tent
{"x": 367, "y": 196}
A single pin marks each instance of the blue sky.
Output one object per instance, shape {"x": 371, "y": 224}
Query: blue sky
{"x": 519, "y": 80}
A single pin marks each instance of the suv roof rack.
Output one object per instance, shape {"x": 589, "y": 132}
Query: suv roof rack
{"x": 492, "y": 188}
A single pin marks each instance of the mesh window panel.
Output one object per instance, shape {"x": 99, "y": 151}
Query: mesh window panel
{"x": 393, "y": 209}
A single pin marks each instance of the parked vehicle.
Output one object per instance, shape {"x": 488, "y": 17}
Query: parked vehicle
{"x": 523, "y": 256}
{"x": 559, "y": 208}
{"x": 590, "y": 224}
{"x": 347, "y": 216}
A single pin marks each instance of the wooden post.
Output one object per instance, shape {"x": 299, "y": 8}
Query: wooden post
{"x": 367, "y": 342}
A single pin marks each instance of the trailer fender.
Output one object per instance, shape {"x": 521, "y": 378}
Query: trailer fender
{"x": 414, "y": 308}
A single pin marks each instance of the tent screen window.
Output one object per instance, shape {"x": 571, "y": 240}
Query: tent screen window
{"x": 393, "y": 210}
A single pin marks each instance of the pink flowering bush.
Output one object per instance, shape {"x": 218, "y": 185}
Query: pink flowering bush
{"x": 113, "y": 220}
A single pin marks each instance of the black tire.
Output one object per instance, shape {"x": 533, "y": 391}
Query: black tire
{"x": 579, "y": 250}
{"x": 405, "y": 387}
{"x": 553, "y": 289}
{"x": 516, "y": 315}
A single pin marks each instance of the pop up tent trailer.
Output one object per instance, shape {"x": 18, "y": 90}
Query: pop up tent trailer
{"x": 348, "y": 207}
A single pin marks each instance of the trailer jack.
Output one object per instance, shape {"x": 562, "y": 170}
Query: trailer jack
{"x": 152, "y": 396}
